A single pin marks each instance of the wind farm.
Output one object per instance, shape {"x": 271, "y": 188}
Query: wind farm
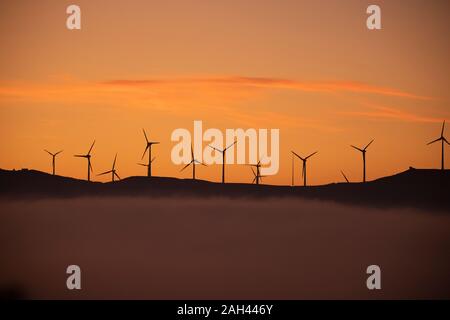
{"x": 255, "y": 167}
{"x": 224, "y": 151}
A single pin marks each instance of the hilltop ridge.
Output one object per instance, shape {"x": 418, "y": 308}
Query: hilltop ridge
{"x": 422, "y": 188}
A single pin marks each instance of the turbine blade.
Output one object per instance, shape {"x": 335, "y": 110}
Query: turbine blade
{"x": 48, "y": 152}
{"x": 146, "y": 139}
{"x": 344, "y": 176}
{"x": 186, "y": 166}
{"x": 446, "y": 141}
{"x": 80, "y": 156}
{"x": 297, "y": 156}
{"x": 145, "y": 151}
{"x": 311, "y": 155}
{"x": 230, "y": 146}
{"x": 90, "y": 166}
{"x": 368, "y": 144}
{"x": 254, "y": 173}
{"x": 114, "y": 163}
{"x": 154, "y": 142}
{"x": 442, "y": 131}
{"x": 153, "y": 159}
{"x": 196, "y": 161}
{"x": 214, "y": 148}
{"x": 117, "y": 175}
{"x": 438, "y": 139}
{"x": 90, "y": 149}
{"x": 192, "y": 153}
{"x": 106, "y": 172}
{"x": 143, "y": 164}
{"x": 356, "y": 148}
{"x": 58, "y": 152}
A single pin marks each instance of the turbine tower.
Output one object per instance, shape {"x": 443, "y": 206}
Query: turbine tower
{"x": 442, "y": 139}
{"x": 193, "y": 162}
{"x": 304, "y": 164}
{"x": 292, "y": 169}
{"x": 88, "y": 157}
{"x": 53, "y": 158}
{"x": 112, "y": 171}
{"x": 149, "y": 148}
{"x": 223, "y": 158}
{"x": 363, "y": 151}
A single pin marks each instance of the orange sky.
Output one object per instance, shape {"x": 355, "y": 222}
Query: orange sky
{"x": 309, "y": 68}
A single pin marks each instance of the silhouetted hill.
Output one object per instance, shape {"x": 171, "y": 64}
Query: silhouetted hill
{"x": 421, "y": 188}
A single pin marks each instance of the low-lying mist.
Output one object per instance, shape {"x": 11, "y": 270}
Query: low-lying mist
{"x": 179, "y": 248}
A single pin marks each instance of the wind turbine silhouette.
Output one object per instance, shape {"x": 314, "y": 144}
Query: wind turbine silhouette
{"x": 345, "y": 177}
{"x": 193, "y": 162}
{"x": 442, "y": 139}
{"x": 257, "y": 174}
{"x": 223, "y": 157}
{"x": 364, "y": 158}
{"x": 53, "y": 158}
{"x": 304, "y": 164}
{"x": 88, "y": 157}
{"x": 149, "y": 148}
{"x": 112, "y": 171}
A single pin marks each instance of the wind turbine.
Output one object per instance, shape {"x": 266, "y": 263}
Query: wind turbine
{"x": 304, "y": 164}
{"x": 88, "y": 157}
{"x": 257, "y": 174}
{"x": 223, "y": 158}
{"x": 193, "y": 162}
{"x": 53, "y": 158}
{"x": 442, "y": 139}
{"x": 112, "y": 171}
{"x": 345, "y": 177}
{"x": 149, "y": 148}
{"x": 363, "y": 151}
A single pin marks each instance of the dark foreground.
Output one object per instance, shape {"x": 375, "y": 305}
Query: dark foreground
{"x": 217, "y": 248}
{"x": 414, "y": 188}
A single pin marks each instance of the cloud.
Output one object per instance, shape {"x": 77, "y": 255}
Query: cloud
{"x": 378, "y": 112}
{"x": 273, "y": 83}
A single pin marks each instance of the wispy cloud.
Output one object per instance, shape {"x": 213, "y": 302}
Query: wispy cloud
{"x": 272, "y": 83}
{"x": 232, "y": 97}
{"x": 378, "y": 112}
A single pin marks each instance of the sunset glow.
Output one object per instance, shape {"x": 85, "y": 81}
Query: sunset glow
{"x": 308, "y": 68}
